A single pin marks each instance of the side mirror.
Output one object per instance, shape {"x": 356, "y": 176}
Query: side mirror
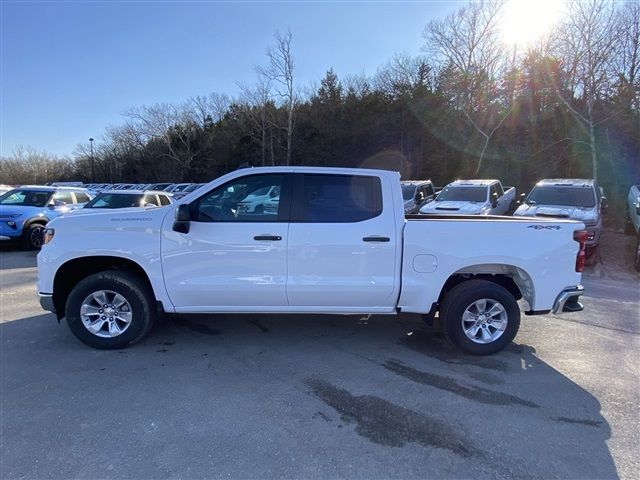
{"x": 494, "y": 199}
{"x": 604, "y": 205}
{"x": 56, "y": 204}
{"x": 523, "y": 197}
{"x": 638, "y": 208}
{"x": 419, "y": 197}
{"x": 182, "y": 221}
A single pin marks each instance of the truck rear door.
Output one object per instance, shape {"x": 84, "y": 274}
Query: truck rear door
{"x": 342, "y": 243}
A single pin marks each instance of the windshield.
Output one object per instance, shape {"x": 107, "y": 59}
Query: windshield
{"x": 562, "y": 196}
{"x": 408, "y": 192}
{"x": 191, "y": 188}
{"x": 115, "y": 200}
{"x": 463, "y": 194}
{"x": 26, "y": 198}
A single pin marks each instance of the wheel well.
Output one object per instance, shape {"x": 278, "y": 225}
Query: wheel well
{"x": 504, "y": 280}
{"x": 72, "y": 272}
{"x": 35, "y": 221}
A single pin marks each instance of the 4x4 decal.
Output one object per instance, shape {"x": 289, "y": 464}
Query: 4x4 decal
{"x": 545, "y": 227}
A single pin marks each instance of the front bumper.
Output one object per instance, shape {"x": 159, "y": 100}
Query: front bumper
{"x": 46, "y": 302}
{"x": 567, "y": 301}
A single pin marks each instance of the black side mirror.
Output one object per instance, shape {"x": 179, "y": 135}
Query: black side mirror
{"x": 419, "y": 197}
{"x": 604, "y": 205}
{"x": 638, "y": 208}
{"x": 523, "y": 197}
{"x": 494, "y": 199}
{"x": 182, "y": 221}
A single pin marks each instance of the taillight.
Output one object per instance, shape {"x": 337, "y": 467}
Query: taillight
{"x": 580, "y": 236}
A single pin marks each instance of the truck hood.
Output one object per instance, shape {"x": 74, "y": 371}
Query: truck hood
{"x": 448, "y": 207}
{"x": 585, "y": 215}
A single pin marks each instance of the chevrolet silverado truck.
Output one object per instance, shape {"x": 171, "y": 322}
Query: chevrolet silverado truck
{"x": 473, "y": 197}
{"x": 568, "y": 198}
{"x": 416, "y": 194}
{"x": 336, "y": 242}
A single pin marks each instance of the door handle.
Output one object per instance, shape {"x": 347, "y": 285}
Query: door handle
{"x": 376, "y": 239}
{"x": 273, "y": 238}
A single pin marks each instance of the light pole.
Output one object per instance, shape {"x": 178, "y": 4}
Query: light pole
{"x": 93, "y": 170}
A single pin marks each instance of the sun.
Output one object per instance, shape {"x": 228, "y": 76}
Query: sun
{"x": 526, "y": 21}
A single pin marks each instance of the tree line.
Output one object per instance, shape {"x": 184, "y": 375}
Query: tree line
{"x": 468, "y": 106}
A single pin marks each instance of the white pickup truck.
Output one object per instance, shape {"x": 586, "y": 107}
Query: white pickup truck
{"x": 473, "y": 197}
{"x": 337, "y": 242}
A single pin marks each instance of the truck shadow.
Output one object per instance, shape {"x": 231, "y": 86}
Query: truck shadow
{"x": 390, "y": 381}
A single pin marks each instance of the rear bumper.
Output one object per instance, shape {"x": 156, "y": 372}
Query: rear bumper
{"x": 567, "y": 300}
{"x": 46, "y": 302}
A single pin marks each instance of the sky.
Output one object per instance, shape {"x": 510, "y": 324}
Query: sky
{"x": 69, "y": 69}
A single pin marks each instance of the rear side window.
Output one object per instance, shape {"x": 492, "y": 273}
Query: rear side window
{"x": 64, "y": 196}
{"x": 150, "y": 198}
{"x": 337, "y": 198}
{"x": 82, "y": 197}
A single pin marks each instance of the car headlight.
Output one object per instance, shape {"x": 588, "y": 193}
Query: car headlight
{"x": 47, "y": 235}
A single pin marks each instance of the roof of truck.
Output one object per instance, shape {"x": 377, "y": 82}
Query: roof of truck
{"x": 415, "y": 182}
{"x": 569, "y": 182}
{"x": 474, "y": 183}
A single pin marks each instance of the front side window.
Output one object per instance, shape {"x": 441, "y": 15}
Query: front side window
{"x": 82, "y": 197}
{"x": 254, "y": 198}
{"x": 338, "y": 199}
{"x": 26, "y": 198}
{"x": 150, "y": 199}
{"x": 430, "y": 192}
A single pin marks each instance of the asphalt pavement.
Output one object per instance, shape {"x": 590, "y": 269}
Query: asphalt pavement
{"x": 312, "y": 396}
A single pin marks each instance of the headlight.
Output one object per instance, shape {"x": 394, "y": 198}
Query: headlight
{"x": 47, "y": 235}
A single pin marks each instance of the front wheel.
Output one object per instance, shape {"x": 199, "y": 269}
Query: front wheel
{"x": 480, "y": 317}
{"x": 110, "y": 309}
{"x": 32, "y": 236}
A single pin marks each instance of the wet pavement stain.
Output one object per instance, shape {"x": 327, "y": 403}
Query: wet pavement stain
{"x": 477, "y": 394}
{"x": 435, "y": 346}
{"x": 167, "y": 343}
{"x": 487, "y": 378}
{"x": 197, "y": 327}
{"x": 386, "y": 423}
{"x": 162, "y": 350}
{"x": 322, "y": 416}
{"x": 262, "y": 328}
{"x": 588, "y": 423}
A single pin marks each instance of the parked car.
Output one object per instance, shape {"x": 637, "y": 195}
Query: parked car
{"x": 338, "y": 244}
{"x": 633, "y": 220}
{"x": 191, "y": 188}
{"x": 24, "y": 211}
{"x": 571, "y": 198}
{"x": 129, "y": 198}
{"x": 416, "y": 194}
{"x": 176, "y": 187}
{"x": 158, "y": 186}
{"x": 473, "y": 197}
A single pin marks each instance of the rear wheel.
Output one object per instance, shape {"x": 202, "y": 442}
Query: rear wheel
{"x": 32, "y": 236}
{"x": 110, "y": 309}
{"x": 480, "y": 317}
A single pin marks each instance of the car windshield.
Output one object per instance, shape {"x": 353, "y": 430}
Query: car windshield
{"x": 562, "y": 196}
{"x": 463, "y": 194}
{"x": 115, "y": 200}
{"x": 26, "y": 198}
{"x": 191, "y": 188}
{"x": 408, "y": 192}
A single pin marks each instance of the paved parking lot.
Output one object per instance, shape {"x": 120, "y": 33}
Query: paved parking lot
{"x": 240, "y": 396}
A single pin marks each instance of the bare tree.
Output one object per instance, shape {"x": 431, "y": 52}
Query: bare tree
{"x": 587, "y": 42}
{"x": 627, "y": 55}
{"x": 207, "y": 108}
{"x": 467, "y": 45}
{"x": 259, "y": 111}
{"x": 168, "y": 124}
{"x": 280, "y": 70}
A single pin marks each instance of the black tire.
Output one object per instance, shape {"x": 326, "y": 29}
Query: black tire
{"x": 132, "y": 288}
{"x": 465, "y": 294}
{"x": 32, "y": 236}
{"x": 628, "y": 226}
{"x": 636, "y": 261}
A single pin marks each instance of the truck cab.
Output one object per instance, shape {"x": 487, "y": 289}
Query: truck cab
{"x": 416, "y": 194}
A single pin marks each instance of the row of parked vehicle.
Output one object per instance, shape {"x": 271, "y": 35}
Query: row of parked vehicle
{"x": 25, "y": 210}
{"x": 575, "y": 199}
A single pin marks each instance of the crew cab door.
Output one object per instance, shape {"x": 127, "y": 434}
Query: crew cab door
{"x": 230, "y": 259}
{"x": 342, "y": 243}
